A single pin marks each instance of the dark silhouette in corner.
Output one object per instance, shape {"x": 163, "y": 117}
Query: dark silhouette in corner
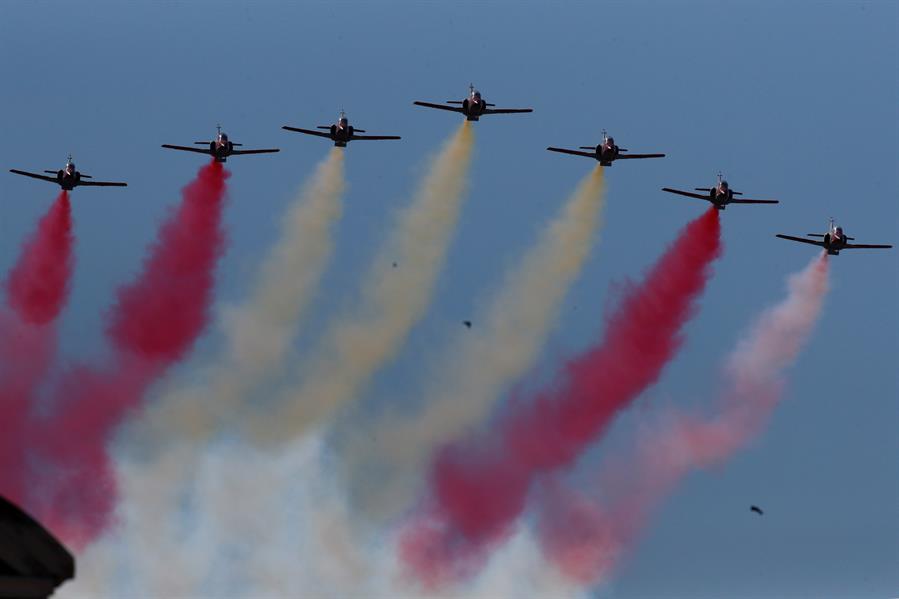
{"x": 32, "y": 562}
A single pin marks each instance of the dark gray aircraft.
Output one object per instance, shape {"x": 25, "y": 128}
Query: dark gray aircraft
{"x": 219, "y": 148}
{"x": 833, "y": 241}
{"x": 68, "y": 177}
{"x": 720, "y": 195}
{"x": 605, "y": 152}
{"x": 32, "y": 562}
{"x": 341, "y": 132}
{"x": 474, "y": 106}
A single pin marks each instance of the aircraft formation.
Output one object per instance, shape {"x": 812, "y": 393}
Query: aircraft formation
{"x": 472, "y": 107}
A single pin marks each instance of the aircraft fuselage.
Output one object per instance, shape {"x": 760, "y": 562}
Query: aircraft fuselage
{"x": 834, "y": 243}
{"x": 68, "y": 180}
{"x": 341, "y": 135}
{"x": 606, "y": 154}
{"x": 220, "y": 150}
{"x": 473, "y": 108}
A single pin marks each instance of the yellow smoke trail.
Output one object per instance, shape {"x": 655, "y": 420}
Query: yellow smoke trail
{"x": 258, "y": 333}
{"x": 480, "y": 363}
{"x": 392, "y": 300}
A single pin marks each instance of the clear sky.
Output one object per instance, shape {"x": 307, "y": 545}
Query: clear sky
{"x": 796, "y": 101}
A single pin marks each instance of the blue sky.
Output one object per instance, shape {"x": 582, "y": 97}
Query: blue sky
{"x": 795, "y": 101}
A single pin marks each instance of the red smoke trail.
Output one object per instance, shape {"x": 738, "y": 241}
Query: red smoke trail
{"x": 586, "y": 539}
{"x": 38, "y": 284}
{"x": 479, "y": 488}
{"x": 153, "y": 324}
{"x": 36, "y": 291}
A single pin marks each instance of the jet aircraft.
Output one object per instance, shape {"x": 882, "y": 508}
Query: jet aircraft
{"x": 220, "y": 148}
{"x": 834, "y": 241}
{"x": 341, "y": 132}
{"x": 474, "y": 106}
{"x": 68, "y": 177}
{"x": 605, "y": 152}
{"x": 720, "y": 195}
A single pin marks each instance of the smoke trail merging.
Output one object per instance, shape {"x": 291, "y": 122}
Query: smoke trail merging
{"x": 36, "y": 290}
{"x": 153, "y": 324}
{"x": 478, "y": 488}
{"x": 385, "y": 465}
{"x": 586, "y": 539}
{"x": 392, "y": 301}
{"x": 244, "y": 542}
{"x": 259, "y": 332}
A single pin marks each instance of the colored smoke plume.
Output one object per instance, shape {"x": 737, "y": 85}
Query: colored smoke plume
{"x": 478, "y": 487}
{"x": 36, "y": 292}
{"x": 258, "y": 333}
{"x": 385, "y": 464}
{"x": 38, "y": 284}
{"x": 586, "y": 538}
{"x": 152, "y": 325}
{"x": 391, "y": 302}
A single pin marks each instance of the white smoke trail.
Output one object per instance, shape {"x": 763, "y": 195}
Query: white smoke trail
{"x": 586, "y": 538}
{"x": 384, "y": 466}
{"x": 272, "y": 525}
{"x": 392, "y": 300}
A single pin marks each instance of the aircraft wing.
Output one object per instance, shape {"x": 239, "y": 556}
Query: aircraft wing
{"x": 573, "y": 152}
{"x": 33, "y": 175}
{"x": 440, "y": 106}
{"x": 267, "y": 151}
{"x": 747, "y": 201}
{"x": 854, "y": 246}
{"x": 102, "y": 184}
{"x": 187, "y": 149}
{"x": 689, "y": 194}
{"x": 307, "y": 131}
{"x": 375, "y": 137}
{"x": 801, "y": 240}
{"x": 625, "y": 156}
{"x": 506, "y": 110}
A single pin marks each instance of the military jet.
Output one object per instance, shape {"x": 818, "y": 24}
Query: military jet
{"x": 220, "y": 148}
{"x": 720, "y": 195}
{"x": 341, "y": 132}
{"x": 32, "y": 562}
{"x": 474, "y": 106}
{"x": 833, "y": 241}
{"x": 68, "y": 177}
{"x": 606, "y": 151}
